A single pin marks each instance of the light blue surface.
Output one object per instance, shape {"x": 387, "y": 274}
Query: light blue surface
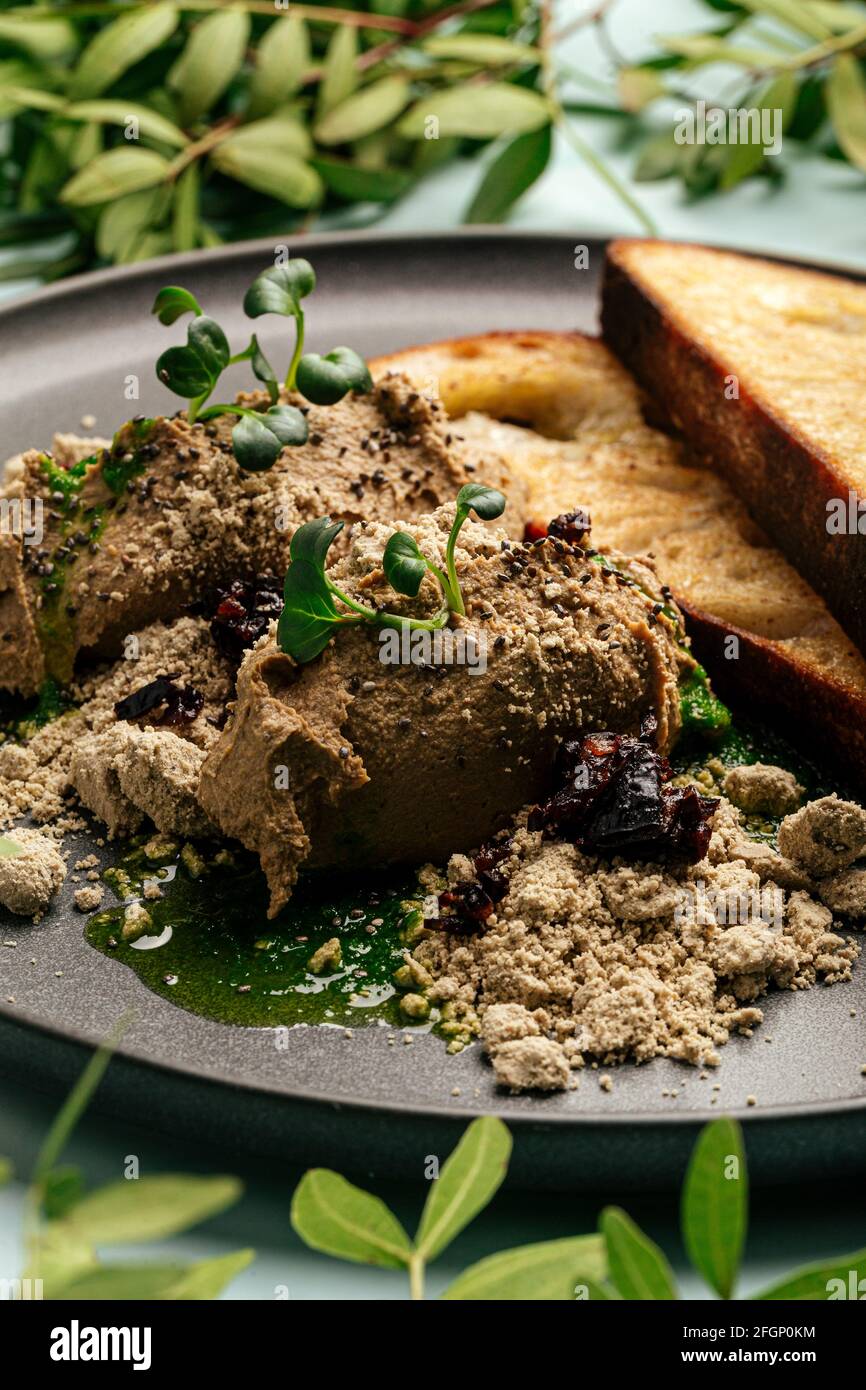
{"x": 819, "y": 213}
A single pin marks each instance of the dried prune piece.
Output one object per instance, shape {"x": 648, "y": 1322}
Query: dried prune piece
{"x": 178, "y": 704}
{"x": 243, "y": 612}
{"x": 143, "y": 700}
{"x": 613, "y": 797}
{"x": 465, "y": 905}
{"x": 573, "y": 527}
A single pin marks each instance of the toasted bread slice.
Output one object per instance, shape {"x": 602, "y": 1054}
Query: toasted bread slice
{"x": 763, "y": 368}
{"x": 571, "y": 421}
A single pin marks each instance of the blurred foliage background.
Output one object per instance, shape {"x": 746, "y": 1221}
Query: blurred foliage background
{"x": 129, "y": 130}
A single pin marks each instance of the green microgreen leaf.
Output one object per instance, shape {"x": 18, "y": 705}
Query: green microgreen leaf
{"x": 193, "y": 371}
{"x": 470, "y": 1177}
{"x": 280, "y": 289}
{"x": 715, "y": 1205}
{"x": 487, "y": 50}
{"x": 10, "y": 849}
{"x": 403, "y": 563}
{"x": 262, "y": 369}
{"x": 259, "y": 439}
{"x": 486, "y": 502}
{"x": 141, "y": 1209}
{"x": 173, "y": 301}
{"x": 638, "y": 1268}
{"x": 326, "y": 380}
{"x": 332, "y": 1215}
{"x": 549, "y": 1270}
{"x": 309, "y": 613}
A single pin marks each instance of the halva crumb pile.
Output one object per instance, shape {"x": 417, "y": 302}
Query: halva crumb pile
{"x": 587, "y": 959}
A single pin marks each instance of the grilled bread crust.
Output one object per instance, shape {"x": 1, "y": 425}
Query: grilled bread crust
{"x": 762, "y": 367}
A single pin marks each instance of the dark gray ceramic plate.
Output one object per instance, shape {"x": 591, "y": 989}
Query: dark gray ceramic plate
{"x": 359, "y": 1103}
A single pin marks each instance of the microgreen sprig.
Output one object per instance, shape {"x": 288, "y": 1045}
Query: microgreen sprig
{"x": 194, "y": 369}
{"x": 323, "y": 380}
{"x": 310, "y": 614}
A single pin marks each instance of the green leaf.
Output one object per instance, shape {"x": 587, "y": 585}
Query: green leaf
{"x": 57, "y": 1257}
{"x": 48, "y": 39}
{"x": 172, "y": 302}
{"x": 119, "y": 46}
{"x": 403, "y": 563}
{"x": 262, "y": 369}
{"x": 812, "y": 1283}
{"x": 637, "y": 1267}
{"x": 63, "y": 1187}
{"x": 280, "y": 289}
{"x": 121, "y": 113}
{"x": 258, "y": 440}
{"x": 31, "y": 98}
{"x": 282, "y": 58}
{"x": 75, "y": 1104}
{"x": 659, "y": 158}
{"x": 193, "y": 371}
{"x": 212, "y": 56}
{"x": 364, "y": 112}
{"x": 280, "y": 133}
{"x": 745, "y": 158}
{"x": 206, "y": 1279}
{"x": 313, "y": 540}
{"x": 185, "y": 210}
{"x": 332, "y": 1215}
{"x": 549, "y": 1270}
{"x": 468, "y": 1180}
{"x": 715, "y": 1205}
{"x": 356, "y": 185}
{"x": 326, "y": 380}
{"x": 514, "y": 170}
{"x": 488, "y": 50}
{"x": 846, "y": 101}
{"x": 339, "y": 79}
{"x": 700, "y": 49}
{"x": 486, "y": 502}
{"x": 119, "y": 1283}
{"x": 139, "y": 1209}
{"x": 269, "y": 156}
{"x": 112, "y": 174}
{"x": 638, "y": 87}
{"x": 10, "y": 849}
{"x": 202, "y": 1280}
{"x": 308, "y": 618}
{"x": 480, "y": 112}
